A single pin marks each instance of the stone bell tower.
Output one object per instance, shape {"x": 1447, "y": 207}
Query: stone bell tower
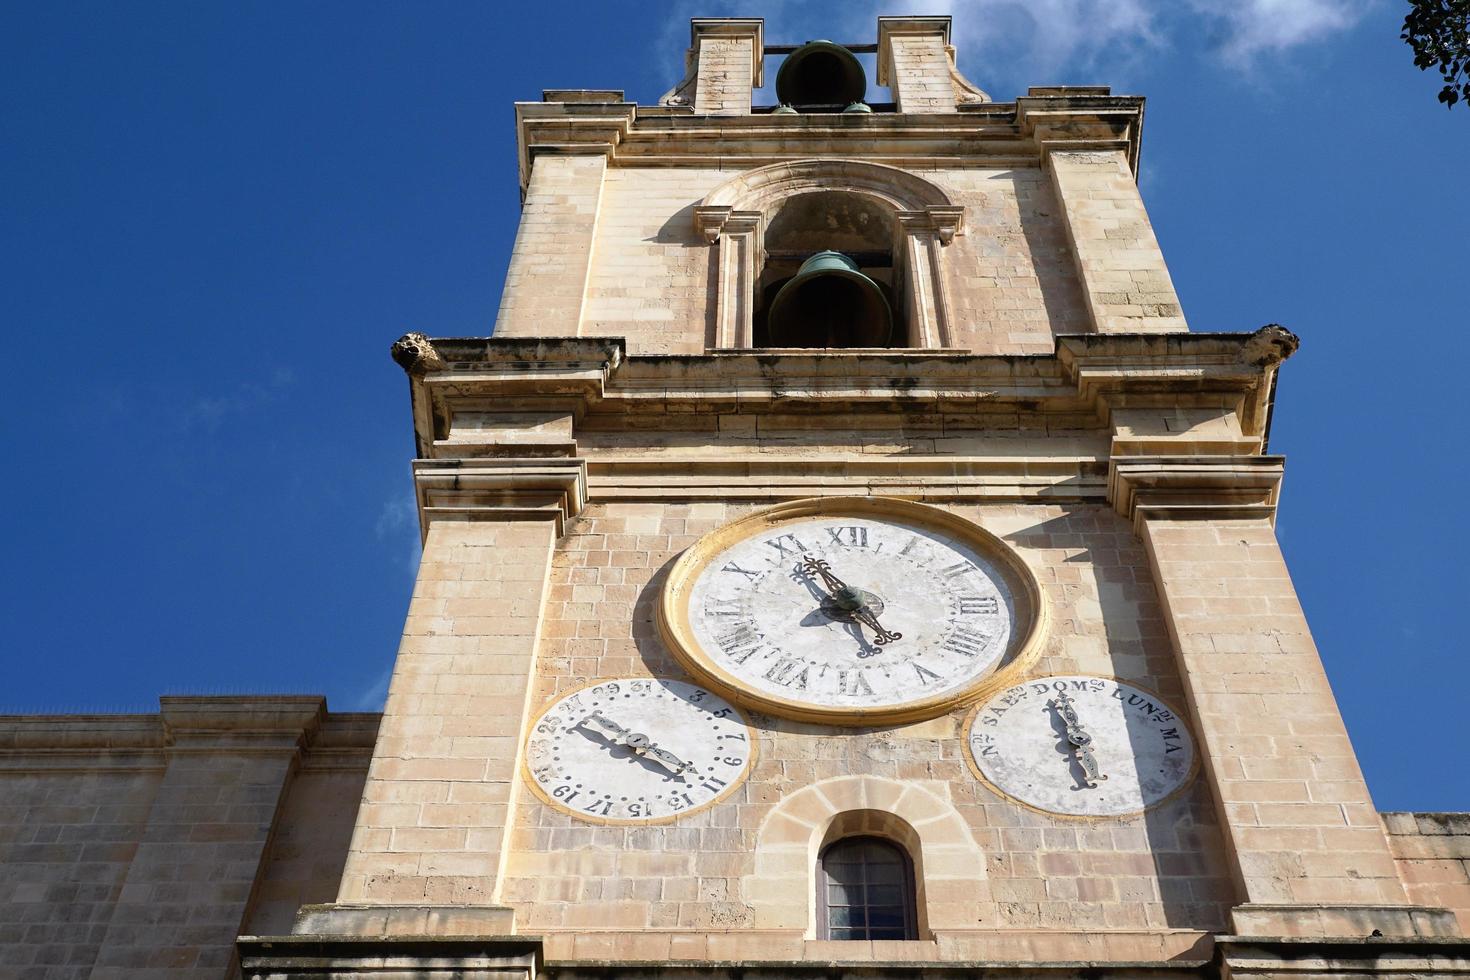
{"x": 909, "y": 371}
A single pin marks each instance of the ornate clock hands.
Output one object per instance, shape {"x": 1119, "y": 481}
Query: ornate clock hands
{"x": 1080, "y": 740}
{"x": 638, "y": 743}
{"x": 849, "y": 599}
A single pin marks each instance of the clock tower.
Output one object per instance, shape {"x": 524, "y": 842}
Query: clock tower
{"x": 842, "y": 551}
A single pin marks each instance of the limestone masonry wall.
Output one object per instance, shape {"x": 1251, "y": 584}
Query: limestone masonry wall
{"x": 139, "y": 845}
{"x": 651, "y": 269}
{"x": 1433, "y": 855}
{"x": 1165, "y": 870}
{"x": 650, "y": 275}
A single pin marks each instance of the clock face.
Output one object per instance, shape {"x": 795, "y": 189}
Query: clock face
{"x": 1081, "y": 746}
{"x": 852, "y": 613}
{"x": 638, "y": 750}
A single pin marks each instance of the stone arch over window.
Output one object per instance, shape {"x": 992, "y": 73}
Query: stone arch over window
{"x": 921, "y": 220}
{"x": 951, "y": 888}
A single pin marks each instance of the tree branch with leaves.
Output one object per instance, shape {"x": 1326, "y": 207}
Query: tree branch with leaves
{"x": 1439, "y": 33}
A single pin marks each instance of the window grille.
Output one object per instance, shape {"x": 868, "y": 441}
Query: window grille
{"x": 865, "y": 890}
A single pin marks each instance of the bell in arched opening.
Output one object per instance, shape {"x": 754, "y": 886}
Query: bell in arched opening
{"x": 829, "y": 303}
{"x": 820, "y": 73}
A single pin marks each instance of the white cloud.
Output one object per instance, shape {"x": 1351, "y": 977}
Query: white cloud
{"x": 398, "y": 524}
{"x": 371, "y": 697}
{"x": 212, "y": 411}
{"x": 1251, "y": 28}
{"x": 1046, "y": 42}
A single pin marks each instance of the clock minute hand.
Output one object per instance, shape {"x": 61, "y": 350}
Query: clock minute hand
{"x": 606, "y": 724}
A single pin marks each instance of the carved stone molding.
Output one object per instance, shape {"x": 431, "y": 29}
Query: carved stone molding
{"x": 966, "y": 91}
{"x": 500, "y": 490}
{"x": 1081, "y": 123}
{"x": 1194, "y": 487}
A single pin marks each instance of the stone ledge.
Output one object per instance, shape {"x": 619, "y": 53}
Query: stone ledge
{"x": 414, "y": 921}
{"x": 492, "y": 957}
{"x": 837, "y": 969}
{"x": 1314, "y": 922}
{"x": 1341, "y": 957}
{"x": 239, "y": 724}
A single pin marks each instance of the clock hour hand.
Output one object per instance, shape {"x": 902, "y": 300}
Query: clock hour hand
{"x": 637, "y": 742}
{"x": 640, "y": 744}
{"x": 1080, "y": 740}
{"x": 849, "y": 599}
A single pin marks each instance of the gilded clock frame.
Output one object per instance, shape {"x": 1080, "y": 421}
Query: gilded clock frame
{"x": 529, "y": 778}
{"x": 1028, "y": 634}
{"x": 1185, "y": 785}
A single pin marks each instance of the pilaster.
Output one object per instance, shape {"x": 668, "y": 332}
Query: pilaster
{"x": 925, "y": 291}
{"x": 914, "y": 61}
{"x": 728, "y": 56}
{"x": 1309, "y": 853}
{"x": 737, "y": 236}
{"x": 546, "y": 284}
{"x": 1119, "y": 264}
{"x": 440, "y": 794}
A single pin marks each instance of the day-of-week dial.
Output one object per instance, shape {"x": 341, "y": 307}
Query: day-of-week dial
{"x": 852, "y": 612}
{"x": 1081, "y": 746}
{"x": 638, "y": 749}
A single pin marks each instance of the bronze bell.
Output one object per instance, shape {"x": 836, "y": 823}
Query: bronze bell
{"x": 820, "y": 73}
{"x": 829, "y": 303}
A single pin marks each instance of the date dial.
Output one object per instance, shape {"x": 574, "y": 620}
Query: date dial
{"x": 1081, "y": 746}
{"x": 638, "y": 750}
{"x": 852, "y": 611}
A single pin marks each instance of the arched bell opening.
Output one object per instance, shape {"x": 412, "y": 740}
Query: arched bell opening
{"x": 828, "y": 279}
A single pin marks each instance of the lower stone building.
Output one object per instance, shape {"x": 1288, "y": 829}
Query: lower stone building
{"x": 842, "y": 561}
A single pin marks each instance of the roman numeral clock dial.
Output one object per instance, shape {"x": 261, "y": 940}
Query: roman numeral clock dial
{"x": 852, "y": 610}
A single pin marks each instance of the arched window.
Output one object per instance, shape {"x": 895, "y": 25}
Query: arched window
{"x": 890, "y": 225}
{"x": 865, "y": 890}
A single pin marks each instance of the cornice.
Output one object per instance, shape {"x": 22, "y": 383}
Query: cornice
{"x": 985, "y": 134}
{"x": 1174, "y": 488}
{"x": 1085, "y": 372}
{"x": 1082, "y": 123}
{"x": 504, "y": 489}
{"x": 534, "y": 399}
{"x": 233, "y": 724}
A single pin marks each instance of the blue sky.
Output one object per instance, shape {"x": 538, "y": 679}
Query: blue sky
{"x": 215, "y": 218}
